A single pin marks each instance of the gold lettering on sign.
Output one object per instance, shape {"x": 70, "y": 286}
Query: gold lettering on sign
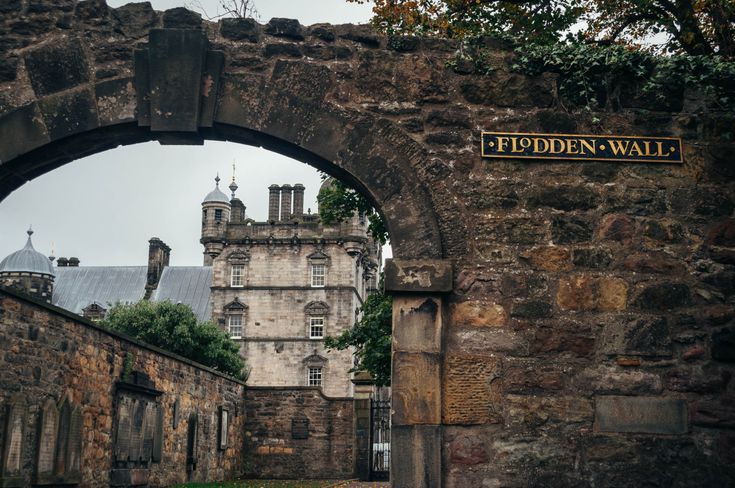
{"x": 589, "y": 145}
{"x": 619, "y": 148}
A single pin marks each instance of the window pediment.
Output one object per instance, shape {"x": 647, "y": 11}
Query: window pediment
{"x": 238, "y": 257}
{"x": 316, "y": 308}
{"x": 318, "y": 257}
{"x": 236, "y": 306}
{"x": 315, "y": 360}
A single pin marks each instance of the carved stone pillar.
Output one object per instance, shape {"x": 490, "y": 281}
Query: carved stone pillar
{"x": 418, "y": 288}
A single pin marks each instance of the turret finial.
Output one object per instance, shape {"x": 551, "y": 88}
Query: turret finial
{"x": 30, "y": 230}
{"x": 216, "y": 180}
{"x": 233, "y": 186}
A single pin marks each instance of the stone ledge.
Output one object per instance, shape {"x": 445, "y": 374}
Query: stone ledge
{"x": 418, "y": 275}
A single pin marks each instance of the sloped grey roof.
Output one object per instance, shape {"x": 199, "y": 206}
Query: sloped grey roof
{"x": 189, "y": 285}
{"x": 77, "y": 287}
{"x": 27, "y": 260}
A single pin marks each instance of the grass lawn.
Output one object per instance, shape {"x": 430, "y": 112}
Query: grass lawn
{"x": 268, "y": 484}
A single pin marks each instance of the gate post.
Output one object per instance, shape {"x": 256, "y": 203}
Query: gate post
{"x": 418, "y": 288}
{"x": 363, "y": 389}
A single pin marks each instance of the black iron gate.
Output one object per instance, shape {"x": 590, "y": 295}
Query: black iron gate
{"x": 379, "y": 440}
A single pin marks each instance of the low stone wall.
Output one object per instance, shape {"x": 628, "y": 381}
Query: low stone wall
{"x": 298, "y": 433}
{"x": 80, "y": 404}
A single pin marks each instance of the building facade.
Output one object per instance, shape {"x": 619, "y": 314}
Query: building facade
{"x": 279, "y": 287}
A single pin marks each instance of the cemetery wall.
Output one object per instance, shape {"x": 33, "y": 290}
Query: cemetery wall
{"x": 122, "y": 412}
{"x": 298, "y": 432}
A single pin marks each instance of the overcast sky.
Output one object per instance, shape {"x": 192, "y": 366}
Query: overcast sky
{"x": 104, "y": 208}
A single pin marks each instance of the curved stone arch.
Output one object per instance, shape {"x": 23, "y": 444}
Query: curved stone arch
{"x": 369, "y": 153}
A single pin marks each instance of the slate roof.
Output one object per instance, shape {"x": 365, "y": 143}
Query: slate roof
{"x": 77, "y": 287}
{"x": 189, "y": 285}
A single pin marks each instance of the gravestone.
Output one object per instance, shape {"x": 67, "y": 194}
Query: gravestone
{"x": 224, "y": 423}
{"x": 300, "y": 428}
{"x": 191, "y": 442}
{"x": 158, "y": 436}
{"x": 122, "y": 443}
{"x": 12, "y": 466}
{"x": 74, "y": 447}
{"x": 63, "y": 435}
{"x": 47, "y": 439}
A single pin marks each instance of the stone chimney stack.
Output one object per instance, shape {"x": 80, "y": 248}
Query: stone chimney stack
{"x": 158, "y": 258}
{"x": 298, "y": 200}
{"x": 273, "y": 202}
{"x": 286, "y": 192}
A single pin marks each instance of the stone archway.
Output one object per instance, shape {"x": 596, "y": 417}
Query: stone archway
{"x": 537, "y": 304}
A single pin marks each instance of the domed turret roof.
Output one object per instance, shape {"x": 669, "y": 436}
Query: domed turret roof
{"x": 216, "y": 195}
{"x": 27, "y": 260}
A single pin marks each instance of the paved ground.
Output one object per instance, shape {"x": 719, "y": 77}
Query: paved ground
{"x": 360, "y": 484}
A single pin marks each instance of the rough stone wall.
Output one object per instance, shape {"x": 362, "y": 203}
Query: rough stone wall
{"x": 273, "y": 452}
{"x": 587, "y": 297}
{"x": 49, "y": 353}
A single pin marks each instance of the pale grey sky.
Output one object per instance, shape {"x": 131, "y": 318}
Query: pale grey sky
{"x": 104, "y": 208}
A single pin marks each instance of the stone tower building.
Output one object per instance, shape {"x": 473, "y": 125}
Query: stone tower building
{"x": 28, "y": 270}
{"x": 281, "y": 286}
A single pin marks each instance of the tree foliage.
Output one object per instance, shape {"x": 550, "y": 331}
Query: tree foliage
{"x": 371, "y": 337}
{"x": 694, "y": 27}
{"x": 174, "y": 327}
{"x": 338, "y": 203}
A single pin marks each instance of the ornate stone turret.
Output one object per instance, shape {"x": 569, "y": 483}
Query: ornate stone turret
{"x": 215, "y": 216}
{"x": 29, "y": 271}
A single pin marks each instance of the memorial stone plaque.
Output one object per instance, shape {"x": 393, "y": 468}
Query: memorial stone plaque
{"x": 224, "y": 423}
{"x": 122, "y": 440}
{"x": 176, "y": 414}
{"x": 300, "y": 428}
{"x": 158, "y": 436}
{"x": 192, "y": 440}
{"x": 74, "y": 447}
{"x": 63, "y": 435}
{"x": 14, "y": 432}
{"x": 47, "y": 439}
{"x": 136, "y": 430}
{"x": 149, "y": 428}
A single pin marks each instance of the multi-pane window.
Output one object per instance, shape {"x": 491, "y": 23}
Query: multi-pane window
{"x": 317, "y": 274}
{"x": 218, "y": 215}
{"x": 315, "y": 376}
{"x": 316, "y": 327}
{"x": 236, "y": 275}
{"x": 235, "y": 325}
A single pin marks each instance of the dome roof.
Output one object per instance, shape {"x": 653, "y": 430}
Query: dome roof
{"x": 216, "y": 195}
{"x": 27, "y": 260}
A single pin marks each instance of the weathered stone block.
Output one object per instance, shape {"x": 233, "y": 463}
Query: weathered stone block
{"x": 570, "y": 339}
{"x": 420, "y": 461}
{"x": 238, "y": 29}
{"x": 652, "y": 262}
{"x": 617, "y": 227}
{"x": 471, "y": 390}
{"x": 613, "y": 380}
{"x": 723, "y": 345}
{"x": 290, "y": 28}
{"x": 532, "y": 309}
{"x": 664, "y": 296}
{"x": 644, "y": 336}
{"x": 426, "y": 275}
{"x": 21, "y": 130}
{"x": 416, "y": 385}
{"x": 526, "y": 376}
{"x": 597, "y": 258}
{"x": 417, "y": 324}
{"x": 57, "y": 66}
{"x": 548, "y": 258}
{"x": 612, "y": 294}
{"x": 645, "y": 415}
{"x": 569, "y": 230}
{"x": 533, "y": 411}
{"x": 576, "y": 293}
{"x": 287, "y": 49}
{"x": 181, "y": 18}
{"x": 565, "y": 198}
{"x": 69, "y": 113}
{"x": 116, "y": 101}
{"x": 478, "y": 314}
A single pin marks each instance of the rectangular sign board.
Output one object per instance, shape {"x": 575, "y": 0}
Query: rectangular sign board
{"x": 582, "y": 147}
